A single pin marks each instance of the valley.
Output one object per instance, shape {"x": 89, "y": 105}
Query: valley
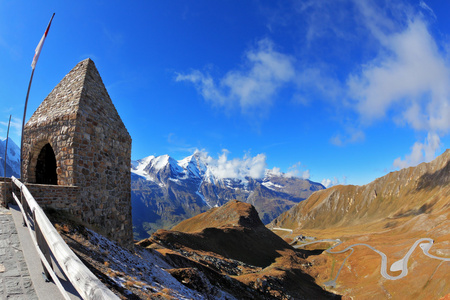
{"x": 388, "y": 239}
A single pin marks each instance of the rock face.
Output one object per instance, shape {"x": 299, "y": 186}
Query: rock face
{"x": 166, "y": 191}
{"x": 408, "y": 192}
{"x": 77, "y": 138}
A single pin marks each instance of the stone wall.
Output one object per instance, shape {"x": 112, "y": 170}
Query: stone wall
{"x": 5, "y": 191}
{"x": 65, "y": 198}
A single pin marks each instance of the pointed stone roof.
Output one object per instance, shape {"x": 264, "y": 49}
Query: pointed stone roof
{"x": 81, "y": 93}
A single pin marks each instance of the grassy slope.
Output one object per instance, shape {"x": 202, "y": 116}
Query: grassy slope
{"x": 390, "y": 214}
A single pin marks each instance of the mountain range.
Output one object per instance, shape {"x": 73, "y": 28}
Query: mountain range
{"x": 166, "y": 191}
{"x": 12, "y": 159}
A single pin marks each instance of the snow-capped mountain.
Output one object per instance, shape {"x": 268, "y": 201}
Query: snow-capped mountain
{"x": 12, "y": 159}
{"x": 163, "y": 168}
{"x": 166, "y": 191}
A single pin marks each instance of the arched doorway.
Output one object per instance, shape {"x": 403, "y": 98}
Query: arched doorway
{"x": 46, "y": 166}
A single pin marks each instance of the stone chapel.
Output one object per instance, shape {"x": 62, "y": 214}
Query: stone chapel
{"x": 77, "y": 154}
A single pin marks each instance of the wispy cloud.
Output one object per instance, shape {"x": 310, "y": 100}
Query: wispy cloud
{"x": 326, "y": 182}
{"x": 351, "y": 136}
{"x": 296, "y": 170}
{"x": 313, "y": 83}
{"x": 252, "y": 87}
{"x": 16, "y": 126}
{"x": 410, "y": 74}
{"x": 420, "y": 152}
{"x": 179, "y": 144}
{"x": 425, "y": 7}
{"x": 114, "y": 37}
{"x": 408, "y": 81}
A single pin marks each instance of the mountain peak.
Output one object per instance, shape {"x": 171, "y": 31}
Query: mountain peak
{"x": 161, "y": 161}
{"x": 233, "y": 213}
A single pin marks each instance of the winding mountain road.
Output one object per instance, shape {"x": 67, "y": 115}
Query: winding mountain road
{"x": 400, "y": 265}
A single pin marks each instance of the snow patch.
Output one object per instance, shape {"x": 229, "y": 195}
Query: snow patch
{"x": 143, "y": 265}
{"x": 203, "y": 198}
{"x": 271, "y": 185}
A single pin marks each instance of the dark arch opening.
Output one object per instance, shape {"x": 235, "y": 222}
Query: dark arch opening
{"x": 46, "y": 166}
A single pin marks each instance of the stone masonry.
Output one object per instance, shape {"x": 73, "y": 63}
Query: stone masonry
{"x": 76, "y": 138}
{"x": 5, "y": 191}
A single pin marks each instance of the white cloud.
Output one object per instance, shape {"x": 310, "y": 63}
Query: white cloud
{"x": 326, "y": 182}
{"x": 408, "y": 82}
{"x": 296, "y": 170}
{"x": 351, "y": 136}
{"x": 306, "y": 174}
{"x": 251, "y": 87}
{"x": 237, "y": 168}
{"x": 420, "y": 152}
{"x": 248, "y": 166}
{"x": 410, "y": 79}
{"x": 276, "y": 171}
{"x": 293, "y": 171}
{"x": 314, "y": 82}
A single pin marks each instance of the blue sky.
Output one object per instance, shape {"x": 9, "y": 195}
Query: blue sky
{"x": 334, "y": 91}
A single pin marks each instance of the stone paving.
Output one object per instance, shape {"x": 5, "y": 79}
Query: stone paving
{"x": 15, "y": 281}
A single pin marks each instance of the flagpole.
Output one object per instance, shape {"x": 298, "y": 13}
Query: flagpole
{"x": 5, "y": 201}
{"x": 33, "y": 66}
{"x": 23, "y": 123}
{"x": 6, "y": 147}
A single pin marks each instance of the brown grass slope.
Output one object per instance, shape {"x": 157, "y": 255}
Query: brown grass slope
{"x": 232, "y": 241}
{"x": 390, "y": 214}
{"x": 406, "y": 193}
{"x": 233, "y": 231}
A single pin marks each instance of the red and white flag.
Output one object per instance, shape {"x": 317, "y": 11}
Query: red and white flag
{"x": 37, "y": 52}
